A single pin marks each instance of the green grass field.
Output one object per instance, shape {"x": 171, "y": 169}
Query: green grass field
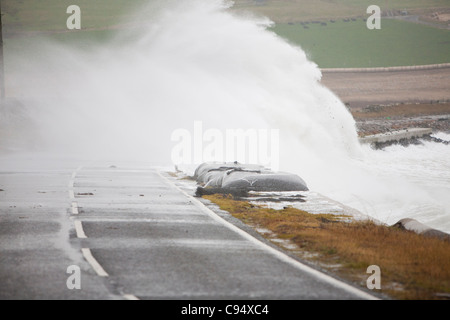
{"x": 351, "y": 44}
{"x": 284, "y": 11}
{"x": 339, "y": 44}
{"x": 50, "y": 15}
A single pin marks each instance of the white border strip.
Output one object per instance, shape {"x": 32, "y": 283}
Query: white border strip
{"x": 278, "y": 254}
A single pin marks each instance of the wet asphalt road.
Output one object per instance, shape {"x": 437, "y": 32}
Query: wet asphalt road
{"x": 133, "y": 234}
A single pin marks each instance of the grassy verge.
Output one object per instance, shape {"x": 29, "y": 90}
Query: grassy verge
{"x": 412, "y": 266}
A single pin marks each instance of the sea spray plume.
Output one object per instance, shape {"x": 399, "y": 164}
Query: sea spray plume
{"x": 190, "y": 60}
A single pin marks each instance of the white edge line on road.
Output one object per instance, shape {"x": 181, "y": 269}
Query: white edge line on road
{"x": 90, "y": 258}
{"x": 79, "y": 229}
{"x": 278, "y": 254}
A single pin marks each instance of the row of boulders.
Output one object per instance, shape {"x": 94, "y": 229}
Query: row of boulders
{"x": 237, "y": 178}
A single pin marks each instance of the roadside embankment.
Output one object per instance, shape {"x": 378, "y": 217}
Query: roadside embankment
{"x": 412, "y": 265}
{"x": 414, "y": 261}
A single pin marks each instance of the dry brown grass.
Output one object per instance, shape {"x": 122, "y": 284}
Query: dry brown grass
{"x": 412, "y": 266}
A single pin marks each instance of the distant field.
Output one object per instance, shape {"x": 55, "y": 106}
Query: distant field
{"x": 351, "y": 44}
{"x": 339, "y": 44}
{"x": 51, "y": 14}
{"x": 284, "y": 11}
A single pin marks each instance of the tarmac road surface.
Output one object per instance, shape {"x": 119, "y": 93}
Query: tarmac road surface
{"x": 133, "y": 234}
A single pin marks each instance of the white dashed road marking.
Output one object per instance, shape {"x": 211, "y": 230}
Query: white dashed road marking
{"x": 87, "y": 254}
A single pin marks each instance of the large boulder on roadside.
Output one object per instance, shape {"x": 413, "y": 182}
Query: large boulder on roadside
{"x": 267, "y": 182}
{"x": 240, "y": 178}
{"x": 210, "y": 170}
